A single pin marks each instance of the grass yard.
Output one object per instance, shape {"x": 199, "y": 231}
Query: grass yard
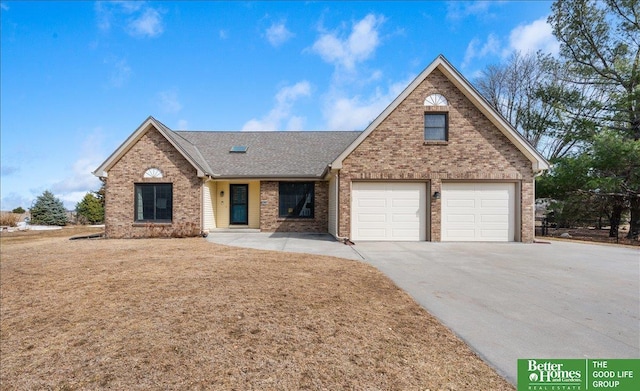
{"x": 185, "y": 314}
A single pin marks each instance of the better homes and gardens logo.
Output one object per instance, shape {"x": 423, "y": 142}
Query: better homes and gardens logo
{"x": 578, "y": 375}
{"x": 553, "y": 373}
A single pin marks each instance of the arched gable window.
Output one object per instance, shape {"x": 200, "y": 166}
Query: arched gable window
{"x": 436, "y": 118}
{"x": 153, "y": 173}
{"x": 436, "y": 100}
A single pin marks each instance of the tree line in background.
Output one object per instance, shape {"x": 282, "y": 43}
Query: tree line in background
{"x": 581, "y": 111}
{"x": 47, "y": 209}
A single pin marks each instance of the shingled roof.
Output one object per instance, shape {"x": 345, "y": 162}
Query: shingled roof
{"x": 269, "y": 154}
{"x": 301, "y": 155}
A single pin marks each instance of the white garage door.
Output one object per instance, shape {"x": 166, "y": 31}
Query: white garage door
{"x": 388, "y": 211}
{"x": 478, "y": 212}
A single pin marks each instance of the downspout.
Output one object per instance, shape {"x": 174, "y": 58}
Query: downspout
{"x": 206, "y": 178}
{"x": 204, "y": 183}
{"x": 343, "y": 239}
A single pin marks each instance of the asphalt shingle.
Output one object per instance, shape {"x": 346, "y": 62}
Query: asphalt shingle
{"x": 303, "y": 154}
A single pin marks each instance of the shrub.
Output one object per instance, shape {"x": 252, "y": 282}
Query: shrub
{"x": 175, "y": 230}
{"x": 48, "y": 210}
{"x": 19, "y": 210}
{"x": 9, "y": 219}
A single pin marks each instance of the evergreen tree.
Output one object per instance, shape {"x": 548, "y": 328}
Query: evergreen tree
{"x": 18, "y": 210}
{"x": 90, "y": 209}
{"x": 48, "y": 210}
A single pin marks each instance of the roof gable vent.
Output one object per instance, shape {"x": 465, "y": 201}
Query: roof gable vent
{"x": 238, "y": 149}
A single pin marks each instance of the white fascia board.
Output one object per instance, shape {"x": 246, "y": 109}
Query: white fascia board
{"x": 538, "y": 161}
{"x": 131, "y": 141}
{"x": 123, "y": 148}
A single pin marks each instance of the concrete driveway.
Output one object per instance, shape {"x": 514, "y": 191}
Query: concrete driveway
{"x": 512, "y": 300}
{"x": 506, "y": 300}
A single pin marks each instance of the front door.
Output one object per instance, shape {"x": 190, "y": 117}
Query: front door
{"x": 239, "y": 204}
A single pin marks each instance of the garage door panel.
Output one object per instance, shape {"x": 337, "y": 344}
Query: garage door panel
{"x": 457, "y": 203}
{"x": 498, "y": 218}
{"x": 460, "y": 218}
{"x": 405, "y": 218}
{"x": 403, "y": 206}
{"x": 462, "y": 233}
{"x": 372, "y": 218}
{"x": 495, "y": 203}
{"x": 478, "y": 211}
{"x": 406, "y": 202}
{"x": 372, "y": 202}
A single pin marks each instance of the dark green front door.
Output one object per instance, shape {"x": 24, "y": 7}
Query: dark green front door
{"x": 239, "y": 204}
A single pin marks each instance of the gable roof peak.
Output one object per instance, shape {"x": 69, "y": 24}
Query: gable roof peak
{"x": 186, "y": 149}
{"x": 539, "y": 163}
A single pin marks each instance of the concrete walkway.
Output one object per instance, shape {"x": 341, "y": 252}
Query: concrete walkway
{"x": 505, "y": 300}
{"x": 321, "y": 244}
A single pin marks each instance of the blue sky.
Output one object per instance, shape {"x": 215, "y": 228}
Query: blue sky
{"x": 78, "y": 77}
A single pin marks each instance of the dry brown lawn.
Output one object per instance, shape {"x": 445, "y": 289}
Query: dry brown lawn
{"x": 185, "y": 314}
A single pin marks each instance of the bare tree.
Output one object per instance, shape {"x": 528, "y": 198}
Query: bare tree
{"x": 535, "y": 93}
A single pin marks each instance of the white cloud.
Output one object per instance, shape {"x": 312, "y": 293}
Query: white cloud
{"x": 104, "y": 15}
{"x": 457, "y": 10}
{"x": 70, "y": 200}
{"x": 4, "y": 7}
{"x": 281, "y": 112}
{"x": 148, "y": 24}
{"x": 478, "y": 50}
{"x": 295, "y": 123}
{"x": 137, "y": 18}
{"x": 357, "y": 47}
{"x": 537, "y": 35}
{"x": 80, "y": 179}
{"x": 168, "y": 102}
{"x": 525, "y": 38}
{"x": 120, "y": 73}
{"x": 223, "y": 34}
{"x": 278, "y": 34}
{"x": 351, "y": 103}
{"x": 183, "y": 124}
{"x": 14, "y": 200}
{"x": 355, "y": 113}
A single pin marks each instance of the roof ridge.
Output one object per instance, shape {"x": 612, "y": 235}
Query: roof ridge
{"x": 266, "y": 131}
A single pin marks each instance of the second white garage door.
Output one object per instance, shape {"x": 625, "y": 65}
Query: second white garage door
{"x": 478, "y": 212}
{"x": 388, "y": 211}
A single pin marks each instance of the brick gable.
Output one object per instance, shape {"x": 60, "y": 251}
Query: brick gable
{"x": 152, "y": 150}
{"x": 476, "y": 150}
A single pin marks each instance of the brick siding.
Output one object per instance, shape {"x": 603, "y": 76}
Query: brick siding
{"x": 152, "y": 150}
{"x": 476, "y": 150}
{"x": 269, "y": 214}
